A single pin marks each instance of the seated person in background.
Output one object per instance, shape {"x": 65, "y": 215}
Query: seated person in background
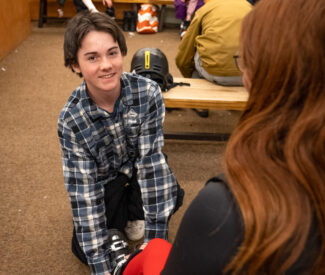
{"x": 60, "y": 7}
{"x": 266, "y": 215}
{"x": 111, "y": 138}
{"x": 185, "y": 10}
{"x": 211, "y": 41}
{"x": 82, "y": 5}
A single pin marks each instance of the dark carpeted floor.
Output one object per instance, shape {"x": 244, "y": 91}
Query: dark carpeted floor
{"x": 35, "y": 214}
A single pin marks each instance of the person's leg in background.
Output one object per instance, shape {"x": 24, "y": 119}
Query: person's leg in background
{"x": 180, "y": 9}
{"x": 192, "y": 7}
{"x": 60, "y": 7}
{"x": 180, "y": 13}
{"x": 200, "y": 112}
{"x": 200, "y": 72}
{"x": 80, "y": 6}
{"x": 219, "y": 80}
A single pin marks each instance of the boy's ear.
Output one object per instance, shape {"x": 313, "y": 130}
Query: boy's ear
{"x": 75, "y": 67}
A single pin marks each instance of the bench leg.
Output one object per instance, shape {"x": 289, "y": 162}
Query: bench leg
{"x": 197, "y": 136}
{"x": 42, "y": 13}
{"x": 135, "y": 8}
{"x": 45, "y": 12}
{"x": 162, "y": 18}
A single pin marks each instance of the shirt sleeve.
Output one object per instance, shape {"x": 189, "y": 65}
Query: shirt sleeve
{"x": 209, "y": 234}
{"x": 157, "y": 182}
{"x": 86, "y": 197}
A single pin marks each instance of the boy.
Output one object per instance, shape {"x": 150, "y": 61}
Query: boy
{"x": 111, "y": 136}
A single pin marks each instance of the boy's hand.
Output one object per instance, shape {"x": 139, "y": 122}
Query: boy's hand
{"x": 140, "y": 248}
{"x": 143, "y": 246}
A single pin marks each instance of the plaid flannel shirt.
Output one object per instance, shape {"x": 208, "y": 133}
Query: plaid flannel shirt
{"x": 96, "y": 145}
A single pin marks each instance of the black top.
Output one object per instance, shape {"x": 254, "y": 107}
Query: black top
{"x": 211, "y": 231}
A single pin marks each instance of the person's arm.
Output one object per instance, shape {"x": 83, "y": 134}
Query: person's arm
{"x": 208, "y": 236}
{"x": 86, "y": 196}
{"x": 157, "y": 182}
{"x": 187, "y": 49}
{"x": 190, "y": 9}
{"x": 108, "y": 3}
{"x": 90, "y": 5}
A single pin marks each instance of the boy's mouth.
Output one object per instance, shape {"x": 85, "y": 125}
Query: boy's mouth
{"x": 106, "y": 76}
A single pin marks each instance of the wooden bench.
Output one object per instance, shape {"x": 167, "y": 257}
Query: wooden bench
{"x": 43, "y": 9}
{"x": 203, "y": 94}
{"x": 43, "y": 12}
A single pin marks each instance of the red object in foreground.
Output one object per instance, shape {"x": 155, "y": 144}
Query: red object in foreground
{"x": 151, "y": 260}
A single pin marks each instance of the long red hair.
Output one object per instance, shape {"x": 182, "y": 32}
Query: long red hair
{"x": 275, "y": 159}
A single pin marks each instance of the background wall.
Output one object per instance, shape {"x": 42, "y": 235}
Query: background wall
{"x": 15, "y": 17}
{"x": 69, "y": 8}
{"x": 14, "y": 24}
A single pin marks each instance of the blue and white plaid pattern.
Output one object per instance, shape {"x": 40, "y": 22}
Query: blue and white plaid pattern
{"x": 96, "y": 145}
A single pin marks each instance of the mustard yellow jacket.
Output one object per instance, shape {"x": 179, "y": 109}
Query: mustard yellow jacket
{"x": 214, "y": 33}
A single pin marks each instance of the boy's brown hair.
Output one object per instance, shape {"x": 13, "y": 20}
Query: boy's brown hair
{"x": 83, "y": 23}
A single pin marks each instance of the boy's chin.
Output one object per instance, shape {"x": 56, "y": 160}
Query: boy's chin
{"x": 112, "y": 85}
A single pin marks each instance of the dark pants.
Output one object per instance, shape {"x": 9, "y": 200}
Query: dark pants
{"x": 123, "y": 199}
{"x": 80, "y": 6}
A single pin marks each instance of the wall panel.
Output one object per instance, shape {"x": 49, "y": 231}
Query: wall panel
{"x": 69, "y": 9}
{"x": 14, "y": 24}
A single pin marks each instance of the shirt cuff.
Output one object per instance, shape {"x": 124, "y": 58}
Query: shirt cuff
{"x": 158, "y": 230}
{"x": 100, "y": 268}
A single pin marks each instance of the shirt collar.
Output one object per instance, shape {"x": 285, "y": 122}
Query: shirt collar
{"x": 91, "y": 107}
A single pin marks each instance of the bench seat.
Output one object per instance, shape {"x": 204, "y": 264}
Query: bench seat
{"x": 203, "y": 94}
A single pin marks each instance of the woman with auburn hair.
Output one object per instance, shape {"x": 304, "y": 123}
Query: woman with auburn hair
{"x": 266, "y": 215}
{"x": 275, "y": 159}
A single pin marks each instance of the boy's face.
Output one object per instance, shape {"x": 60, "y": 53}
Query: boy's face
{"x": 101, "y": 63}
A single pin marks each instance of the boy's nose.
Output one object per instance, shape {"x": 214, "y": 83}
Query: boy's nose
{"x": 105, "y": 64}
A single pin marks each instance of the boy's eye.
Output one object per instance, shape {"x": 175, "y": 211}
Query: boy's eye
{"x": 113, "y": 53}
{"x": 92, "y": 58}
